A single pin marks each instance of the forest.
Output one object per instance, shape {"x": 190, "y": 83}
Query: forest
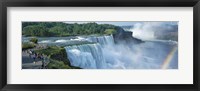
{"x": 61, "y": 29}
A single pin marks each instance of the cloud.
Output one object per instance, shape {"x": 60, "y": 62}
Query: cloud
{"x": 147, "y": 30}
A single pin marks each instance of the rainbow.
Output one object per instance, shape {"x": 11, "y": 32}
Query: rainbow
{"x": 169, "y": 58}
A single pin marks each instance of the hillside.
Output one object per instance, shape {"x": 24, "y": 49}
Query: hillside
{"x": 60, "y": 29}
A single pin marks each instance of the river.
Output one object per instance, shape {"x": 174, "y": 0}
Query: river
{"x": 100, "y": 52}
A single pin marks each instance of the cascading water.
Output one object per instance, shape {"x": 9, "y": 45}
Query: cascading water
{"x": 102, "y": 53}
{"x": 89, "y": 55}
{"x": 103, "y": 40}
{"x": 86, "y": 55}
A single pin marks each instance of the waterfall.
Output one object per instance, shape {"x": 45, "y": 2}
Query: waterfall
{"x": 86, "y": 56}
{"x": 90, "y": 56}
{"x": 103, "y": 40}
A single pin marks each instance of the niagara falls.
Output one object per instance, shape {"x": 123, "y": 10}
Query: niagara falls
{"x": 104, "y": 45}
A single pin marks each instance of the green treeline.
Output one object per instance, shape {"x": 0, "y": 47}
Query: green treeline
{"x": 47, "y": 29}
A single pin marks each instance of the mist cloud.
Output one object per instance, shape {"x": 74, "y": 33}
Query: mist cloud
{"x": 147, "y": 30}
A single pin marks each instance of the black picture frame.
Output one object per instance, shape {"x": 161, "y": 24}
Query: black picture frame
{"x": 99, "y": 3}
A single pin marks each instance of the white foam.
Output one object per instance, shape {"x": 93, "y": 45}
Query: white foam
{"x": 45, "y": 41}
{"x": 62, "y": 41}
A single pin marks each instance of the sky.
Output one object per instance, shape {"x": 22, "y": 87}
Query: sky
{"x": 128, "y": 23}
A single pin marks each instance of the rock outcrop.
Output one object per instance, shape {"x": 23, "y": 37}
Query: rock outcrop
{"x": 125, "y": 37}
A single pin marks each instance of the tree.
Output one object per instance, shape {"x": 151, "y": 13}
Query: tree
{"x": 43, "y": 29}
{"x": 35, "y": 30}
{"x": 110, "y": 31}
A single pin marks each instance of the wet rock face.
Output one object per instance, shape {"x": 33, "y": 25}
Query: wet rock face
{"x": 125, "y": 37}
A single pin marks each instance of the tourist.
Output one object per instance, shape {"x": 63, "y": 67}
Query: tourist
{"x": 43, "y": 64}
{"x": 35, "y": 56}
{"x": 44, "y": 58}
{"x": 40, "y": 56}
{"x": 30, "y": 53}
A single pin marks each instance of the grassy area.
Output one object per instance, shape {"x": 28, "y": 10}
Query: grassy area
{"x": 54, "y": 52}
{"x": 58, "y": 57}
{"x": 110, "y": 31}
{"x": 55, "y": 64}
{"x": 28, "y": 45}
{"x": 34, "y": 40}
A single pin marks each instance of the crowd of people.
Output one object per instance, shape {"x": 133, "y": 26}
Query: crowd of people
{"x": 33, "y": 55}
